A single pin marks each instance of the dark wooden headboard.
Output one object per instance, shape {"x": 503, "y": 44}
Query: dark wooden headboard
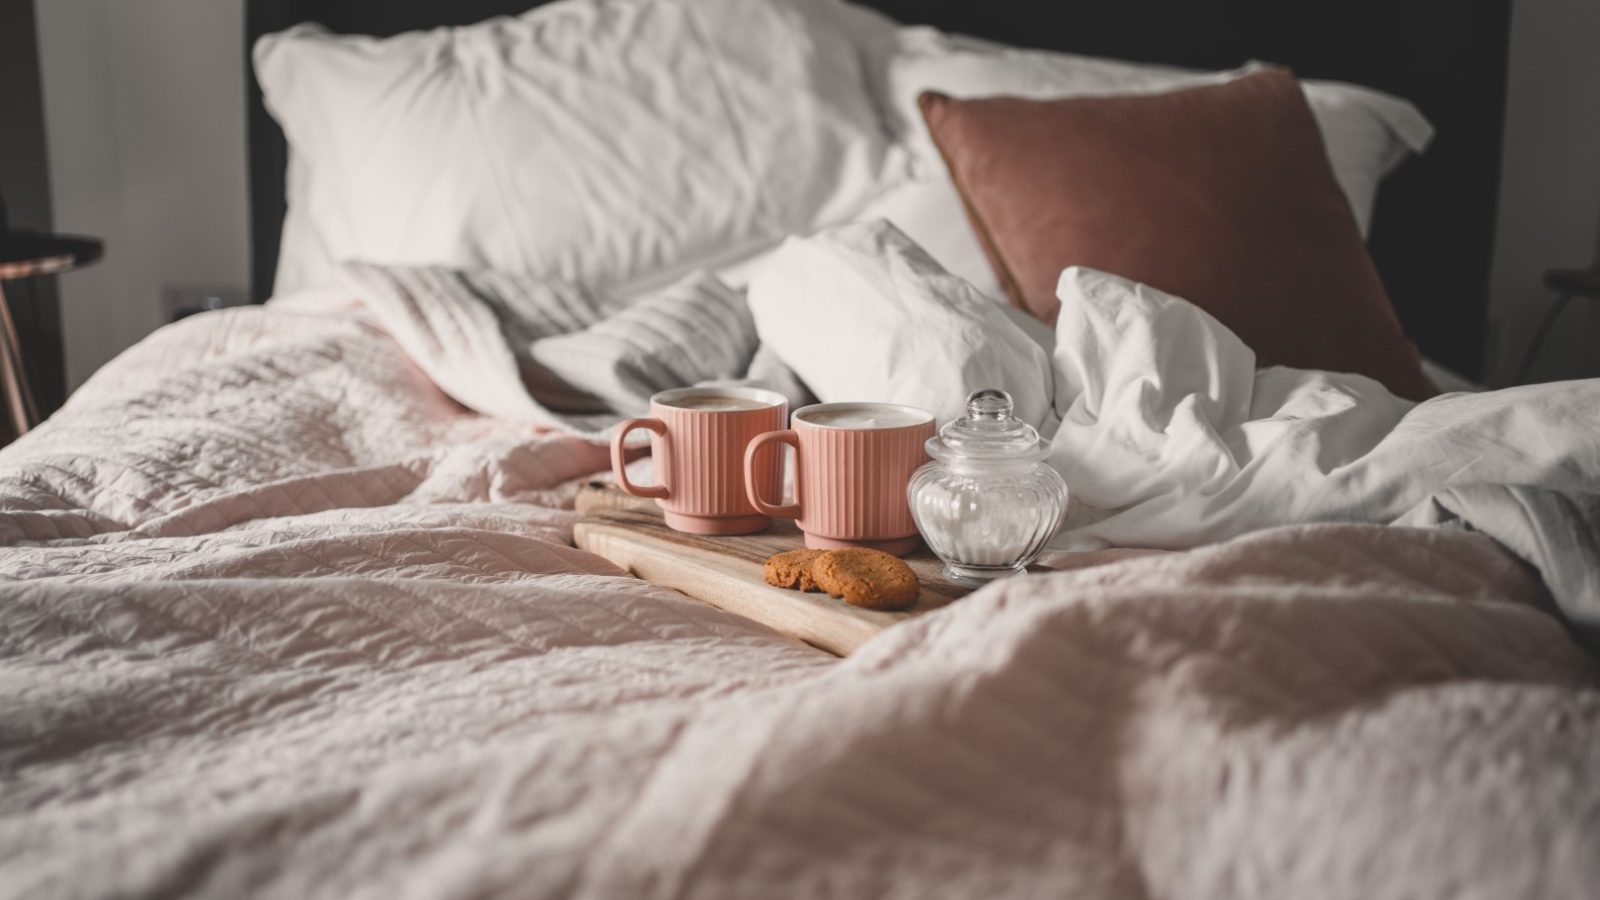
{"x": 1433, "y": 230}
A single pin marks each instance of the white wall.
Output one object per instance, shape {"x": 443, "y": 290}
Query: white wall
{"x": 145, "y": 121}
{"x": 1549, "y": 187}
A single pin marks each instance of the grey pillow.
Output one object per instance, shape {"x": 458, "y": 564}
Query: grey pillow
{"x": 695, "y": 330}
{"x": 769, "y": 372}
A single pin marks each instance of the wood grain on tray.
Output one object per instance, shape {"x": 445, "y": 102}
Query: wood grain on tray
{"x": 726, "y": 572}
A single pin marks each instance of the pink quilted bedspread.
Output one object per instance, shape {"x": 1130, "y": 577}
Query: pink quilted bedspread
{"x": 279, "y": 617}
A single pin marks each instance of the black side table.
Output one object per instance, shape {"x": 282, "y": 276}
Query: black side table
{"x": 1566, "y": 284}
{"x": 28, "y": 254}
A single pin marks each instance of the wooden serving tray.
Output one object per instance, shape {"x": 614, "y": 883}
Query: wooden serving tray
{"x": 726, "y": 572}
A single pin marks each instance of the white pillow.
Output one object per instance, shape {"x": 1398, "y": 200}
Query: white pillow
{"x": 860, "y": 312}
{"x": 304, "y": 262}
{"x": 1367, "y": 133}
{"x": 929, "y": 210}
{"x": 598, "y": 141}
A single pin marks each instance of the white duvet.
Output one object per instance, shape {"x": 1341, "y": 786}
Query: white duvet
{"x": 278, "y": 616}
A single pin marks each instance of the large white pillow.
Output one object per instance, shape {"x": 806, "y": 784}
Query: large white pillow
{"x": 598, "y": 141}
{"x": 1367, "y": 133}
{"x": 304, "y": 262}
{"x": 860, "y": 312}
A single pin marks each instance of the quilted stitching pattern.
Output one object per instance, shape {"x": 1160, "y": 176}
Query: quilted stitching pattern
{"x": 278, "y": 617}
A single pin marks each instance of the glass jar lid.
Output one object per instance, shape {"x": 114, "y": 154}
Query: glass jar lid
{"x": 988, "y": 432}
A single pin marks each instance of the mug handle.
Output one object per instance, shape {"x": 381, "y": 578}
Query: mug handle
{"x": 789, "y": 511}
{"x": 619, "y": 459}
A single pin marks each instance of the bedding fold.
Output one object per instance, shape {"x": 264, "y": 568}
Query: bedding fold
{"x": 547, "y": 352}
{"x": 263, "y": 413}
{"x": 1556, "y": 533}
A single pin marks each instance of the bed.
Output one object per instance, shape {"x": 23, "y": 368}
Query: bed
{"x": 289, "y": 605}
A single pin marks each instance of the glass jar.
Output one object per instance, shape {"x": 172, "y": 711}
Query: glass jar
{"x": 988, "y": 503}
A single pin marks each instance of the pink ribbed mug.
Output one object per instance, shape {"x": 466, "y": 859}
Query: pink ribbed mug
{"x": 697, "y": 441}
{"x": 852, "y": 464}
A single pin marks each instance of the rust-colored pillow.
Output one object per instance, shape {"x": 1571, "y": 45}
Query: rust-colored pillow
{"x": 1222, "y": 195}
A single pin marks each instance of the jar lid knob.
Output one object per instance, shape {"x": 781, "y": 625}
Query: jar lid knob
{"x": 989, "y": 404}
{"x": 989, "y": 431}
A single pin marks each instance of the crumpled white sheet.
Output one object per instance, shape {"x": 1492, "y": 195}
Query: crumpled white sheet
{"x": 1170, "y": 437}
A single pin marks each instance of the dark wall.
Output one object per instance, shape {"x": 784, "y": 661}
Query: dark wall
{"x": 25, "y": 184}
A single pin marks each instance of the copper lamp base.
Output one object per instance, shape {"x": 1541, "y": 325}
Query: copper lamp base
{"x": 24, "y": 413}
{"x": 29, "y": 254}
